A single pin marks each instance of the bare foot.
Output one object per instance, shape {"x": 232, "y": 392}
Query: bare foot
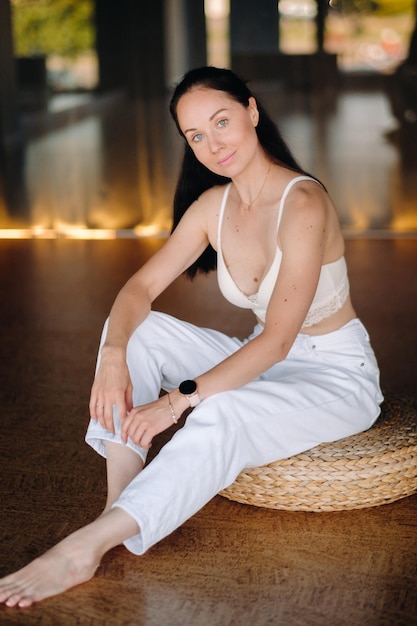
{"x": 69, "y": 563}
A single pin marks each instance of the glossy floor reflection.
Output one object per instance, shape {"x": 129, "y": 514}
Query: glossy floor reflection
{"x": 111, "y": 163}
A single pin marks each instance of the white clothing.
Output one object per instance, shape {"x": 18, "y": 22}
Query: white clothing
{"x": 332, "y": 288}
{"x": 327, "y": 388}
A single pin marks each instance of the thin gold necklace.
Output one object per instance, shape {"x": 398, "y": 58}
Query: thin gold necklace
{"x": 248, "y": 206}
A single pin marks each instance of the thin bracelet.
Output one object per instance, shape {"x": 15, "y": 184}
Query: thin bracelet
{"x": 171, "y": 408}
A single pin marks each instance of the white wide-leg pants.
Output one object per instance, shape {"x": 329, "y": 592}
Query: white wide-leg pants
{"x": 326, "y": 389}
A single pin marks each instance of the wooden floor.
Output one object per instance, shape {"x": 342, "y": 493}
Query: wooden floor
{"x": 231, "y": 564}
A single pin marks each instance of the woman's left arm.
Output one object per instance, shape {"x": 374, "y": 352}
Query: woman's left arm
{"x": 302, "y": 237}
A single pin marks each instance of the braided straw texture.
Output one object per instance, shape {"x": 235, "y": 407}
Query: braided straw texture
{"x": 375, "y": 467}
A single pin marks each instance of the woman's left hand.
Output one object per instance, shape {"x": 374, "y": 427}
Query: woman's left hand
{"x": 144, "y": 422}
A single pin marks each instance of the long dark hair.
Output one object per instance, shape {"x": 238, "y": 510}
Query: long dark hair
{"x": 194, "y": 177}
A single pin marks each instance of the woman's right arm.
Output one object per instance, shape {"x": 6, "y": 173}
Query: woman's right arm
{"x": 112, "y": 384}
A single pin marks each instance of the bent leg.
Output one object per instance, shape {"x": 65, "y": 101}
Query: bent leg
{"x": 71, "y": 562}
{"x": 122, "y": 465}
{"x": 161, "y": 353}
{"x": 75, "y": 559}
{"x": 327, "y": 389}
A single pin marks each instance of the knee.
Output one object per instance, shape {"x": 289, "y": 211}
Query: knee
{"x": 218, "y": 416}
{"x": 157, "y": 327}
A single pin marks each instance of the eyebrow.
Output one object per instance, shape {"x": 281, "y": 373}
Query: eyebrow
{"x": 189, "y": 130}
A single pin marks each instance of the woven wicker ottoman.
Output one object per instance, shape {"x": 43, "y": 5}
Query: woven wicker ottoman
{"x": 375, "y": 467}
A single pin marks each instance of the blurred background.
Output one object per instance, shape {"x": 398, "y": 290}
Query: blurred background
{"x": 87, "y": 148}
{"x": 88, "y": 152}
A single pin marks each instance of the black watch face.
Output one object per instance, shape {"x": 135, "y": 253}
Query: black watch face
{"x": 188, "y": 387}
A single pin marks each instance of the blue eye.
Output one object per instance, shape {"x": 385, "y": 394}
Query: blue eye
{"x": 222, "y": 123}
{"x": 198, "y": 137}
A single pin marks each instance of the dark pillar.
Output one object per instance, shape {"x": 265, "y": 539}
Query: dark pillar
{"x": 320, "y": 23}
{"x": 254, "y": 37}
{"x": 195, "y": 26}
{"x": 110, "y": 44}
{"x": 131, "y": 45}
{"x": 13, "y": 201}
{"x": 9, "y": 125}
{"x": 185, "y": 37}
{"x": 254, "y": 26}
{"x": 146, "y": 47}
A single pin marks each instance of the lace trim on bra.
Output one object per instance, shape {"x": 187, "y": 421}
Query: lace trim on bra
{"x": 317, "y": 314}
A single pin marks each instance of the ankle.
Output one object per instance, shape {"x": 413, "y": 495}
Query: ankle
{"x": 110, "y": 529}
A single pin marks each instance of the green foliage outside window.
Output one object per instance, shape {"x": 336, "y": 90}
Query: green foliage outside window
{"x": 378, "y": 7}
{"x": 61, "y": 27}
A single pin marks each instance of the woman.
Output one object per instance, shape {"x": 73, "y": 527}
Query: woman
{"x": 306, "y": 375}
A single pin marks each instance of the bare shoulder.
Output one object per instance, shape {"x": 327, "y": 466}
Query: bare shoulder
{"x": 310, "y": 215}
{"x": 307, "y": 200}
{"x": 307, "y": 193}
{"x": 207, "y": 205}
{"x": 206, "y": 210}
{"x": 211, "y": 199}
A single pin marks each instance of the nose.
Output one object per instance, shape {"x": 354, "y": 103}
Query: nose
{"x": 215, "y": 144}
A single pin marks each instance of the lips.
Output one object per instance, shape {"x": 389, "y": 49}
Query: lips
{"x": 227, "y": 159}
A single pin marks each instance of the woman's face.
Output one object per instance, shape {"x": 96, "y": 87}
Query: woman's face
{"x": 220, "y": 131}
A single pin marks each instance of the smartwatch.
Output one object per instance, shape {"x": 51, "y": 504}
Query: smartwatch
{"x": 188, "y": 388}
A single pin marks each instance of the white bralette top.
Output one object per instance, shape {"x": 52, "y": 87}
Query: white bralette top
{"x": 332, "y": 289}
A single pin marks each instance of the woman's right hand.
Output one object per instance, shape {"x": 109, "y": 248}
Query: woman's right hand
{"x": 112, "y": 386}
